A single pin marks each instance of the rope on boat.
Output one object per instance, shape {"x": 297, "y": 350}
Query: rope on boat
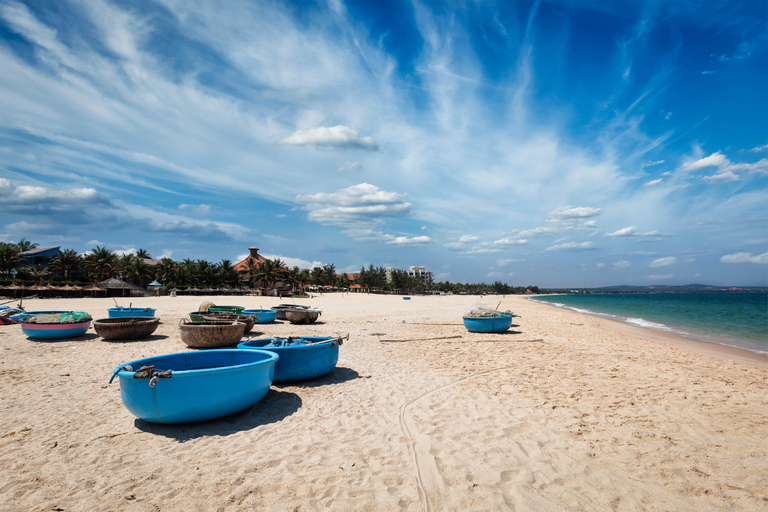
{"x": 145, "y": 372}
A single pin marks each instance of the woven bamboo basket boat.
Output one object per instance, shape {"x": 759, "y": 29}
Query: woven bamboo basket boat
{"x": 125, "y": 328}
{"x": 302, "y": 316}
{"x": 211, "y": 334}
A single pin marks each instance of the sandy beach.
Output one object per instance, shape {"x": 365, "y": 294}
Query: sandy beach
{"x": 563, "y": 412}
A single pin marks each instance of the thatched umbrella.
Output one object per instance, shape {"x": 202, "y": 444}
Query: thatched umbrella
{"x": 94, "y": 289}
{"x": 117, "y": 284}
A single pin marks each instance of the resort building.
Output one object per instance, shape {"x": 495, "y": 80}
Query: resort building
{"x": 39, "y": 256}
{"x": 421, "y": 272}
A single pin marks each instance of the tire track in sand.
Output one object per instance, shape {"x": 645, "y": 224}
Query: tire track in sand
{"x": 427, "y": 473}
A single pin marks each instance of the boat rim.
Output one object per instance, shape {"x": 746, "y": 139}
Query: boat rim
{"x": 121, "y": 371}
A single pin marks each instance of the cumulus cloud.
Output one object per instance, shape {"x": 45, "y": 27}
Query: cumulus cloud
{"x": 511, "y": 241}
{"x": 631, "y": 231}
{"x": 339, "y": 136}
{"x": 663, "y": 262}
{"x": 713, "y": 160}
{"x": 759, "y": 149}
{"x": 571, "y": 245}
{"x": 39, "y": 200}
{"x": 745, "y": 257}
{"x": 358, "y": 203}
{"x": 570, "y": 212}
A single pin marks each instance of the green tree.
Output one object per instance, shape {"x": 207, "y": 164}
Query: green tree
{"x": 166, "y": 271}
{"x": 143, "y": 254}
{"x": 137, "y": 271}
{"x": 250, "y": 272}
{"x": 10, "y": 258}
{"x": 25, "y": 245}
{"x": 66, "y": 262}
{"x": 227, "y": 274}
{"x": 102, "y": 263}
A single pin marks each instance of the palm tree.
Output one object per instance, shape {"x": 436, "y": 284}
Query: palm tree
{"x": 37, "y": 272}
{"x": 166, "y": 271}
{"x": 25, "y": 245}
{"x": 227, "y": 274}
{"x": 329, "y": 274}
{"x": 102, "y": 263}
{"x": 269, "y": 271}
{"x": 297, "y": 278}
{"x": 138, "y": 271}
{"x": 10, "y": 258}
{"x": 65, "y": 262}
{"x": 143, "y": 254}
{"x": 250, "y": 271}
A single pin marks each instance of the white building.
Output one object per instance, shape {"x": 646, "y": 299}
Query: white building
{"x": 421, "y": 272}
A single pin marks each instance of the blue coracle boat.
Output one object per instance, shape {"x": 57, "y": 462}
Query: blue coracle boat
{"x": 301, "y": 361}
{"x": 263, "y": 316}
{"x": 120, "y": 312}
{"x": 488, "y": 324}
{"x": 195, "y": 386}
{"x": 69, "y": 324}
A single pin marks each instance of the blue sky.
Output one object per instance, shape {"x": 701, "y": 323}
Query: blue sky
{"x": 556, "y": 143}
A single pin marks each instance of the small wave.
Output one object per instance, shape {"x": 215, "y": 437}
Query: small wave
{"x": 650, "y": 325}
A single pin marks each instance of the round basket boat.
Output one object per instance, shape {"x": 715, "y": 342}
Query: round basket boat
{"x": 280, "y": 309}
{"x": 301, "y": 362}
{"x": 120, "y": 312}
{"x": 499, "y": 323}
{"x": 195, "y": 386}
{"x": 226, "y": 309}
{"x": 263, "y": 316}
{"x": 212, "y": 334}
{"x": 57, "y": 330}
{"x": 206, "y": 318}
{"x": 302, "y": 316}
{"x": 126, "y": 328}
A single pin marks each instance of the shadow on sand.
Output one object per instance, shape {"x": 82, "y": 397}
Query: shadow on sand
{"x": 275, "y": 406}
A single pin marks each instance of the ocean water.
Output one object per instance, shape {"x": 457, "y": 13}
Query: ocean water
{"x": 738, "y": 320}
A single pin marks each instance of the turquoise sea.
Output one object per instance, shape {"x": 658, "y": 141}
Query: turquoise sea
{"x": 738, "y": 320}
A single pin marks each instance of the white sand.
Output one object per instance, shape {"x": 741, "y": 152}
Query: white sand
{"x": 597, "y": 416}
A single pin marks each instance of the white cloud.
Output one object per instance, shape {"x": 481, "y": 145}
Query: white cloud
{"x": 355, "y": 204}
{"x": 715, "y": 159}
{"x": 631, "y": 231}
{"x": 333, "y": 137}
{"x": 722, "y": 175}
{"x": 468, "y": 238}
{"x": 622, "y": 264}
{"x": 663, "y": 262}
{"x": 511, "y": 241}
{"x": 759, "y": 149}
{"x": 599, "y": 266}
{"x": 571, "y": 245}
{"x": 745, "y": 257}
{"x": 405, "y": 240}
{"x": 569, "y": 212}
{"x": 652, "y": 183}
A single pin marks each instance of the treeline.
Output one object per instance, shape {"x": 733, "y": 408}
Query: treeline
{"x": 400, "y": 281}
{"x": 101, "y": 263}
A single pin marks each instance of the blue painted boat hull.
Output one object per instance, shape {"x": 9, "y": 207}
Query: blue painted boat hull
{"x": 55, "y": 331}
{"x": 203, "y": 385}
{"x": 123, "y": 312}
{"x": 263, "y": 316}
{"x": 492, "y": 324}
{"x": 301, "y": 362}
{"x": 51, "y": 331}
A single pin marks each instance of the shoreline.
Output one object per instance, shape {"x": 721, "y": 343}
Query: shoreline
{"x": 720, "y": 351}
